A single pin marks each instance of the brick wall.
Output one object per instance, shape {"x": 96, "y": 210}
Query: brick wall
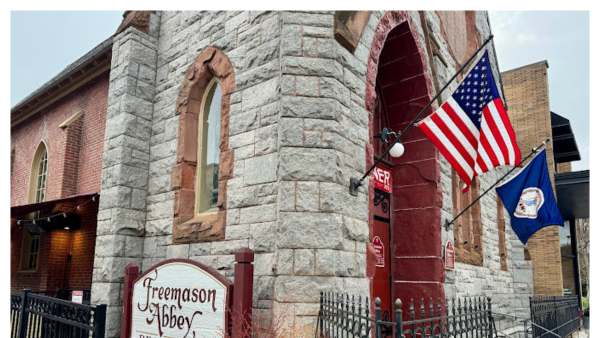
{"x": 54, "y": 269}
{"x": 527, "y": 97}
{"x": 74, "y": 167}
{"x": 74, "y": 158}
{"x": 563, "y": 168}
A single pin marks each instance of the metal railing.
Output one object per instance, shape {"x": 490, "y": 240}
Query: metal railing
{"x": 554, "y": 316}
{"x": 33, "y": 315}
{"x": 65, "y": 294}
{"x": 342, "y": 316}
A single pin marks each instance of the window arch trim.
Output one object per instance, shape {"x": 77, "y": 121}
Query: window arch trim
{"x": 187, "y": 226}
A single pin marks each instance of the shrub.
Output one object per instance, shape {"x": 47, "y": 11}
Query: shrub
{"x": 272, "y": 322}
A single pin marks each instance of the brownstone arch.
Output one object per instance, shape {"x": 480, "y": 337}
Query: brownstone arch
{"x": 211, "y": 63}
{"x": 399, "y": 85}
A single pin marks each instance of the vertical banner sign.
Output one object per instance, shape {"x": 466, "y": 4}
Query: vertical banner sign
{"x": 379, "y": 252}
{"x": 179, "y": 299}
{"x": 382, "y": 178}
{"x": 77, "y": 297}
{"x": 449, "y": 256}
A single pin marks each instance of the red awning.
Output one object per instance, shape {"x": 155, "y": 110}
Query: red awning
{"x": 20, "y": 210}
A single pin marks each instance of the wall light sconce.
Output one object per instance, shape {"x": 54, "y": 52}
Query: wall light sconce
{"x": 395, "y": 150}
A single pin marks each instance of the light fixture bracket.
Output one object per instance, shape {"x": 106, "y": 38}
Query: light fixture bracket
{"x": 385, "y": 135}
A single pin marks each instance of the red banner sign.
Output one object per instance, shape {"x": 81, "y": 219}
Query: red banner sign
{"x": 379, "y": 252}
{"x": 382, "y": 178}
{"x": 449, "y": 256}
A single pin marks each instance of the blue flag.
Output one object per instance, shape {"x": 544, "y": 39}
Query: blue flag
{"x": 529, "y": 199}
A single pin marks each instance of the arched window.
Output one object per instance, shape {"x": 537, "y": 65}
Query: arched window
{"x": 204, "y": 160}
{"x": 209, "y": 131}
{"x": 39, "y": 175}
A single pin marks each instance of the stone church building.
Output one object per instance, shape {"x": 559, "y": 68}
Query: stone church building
{"x": 240, "y": 129}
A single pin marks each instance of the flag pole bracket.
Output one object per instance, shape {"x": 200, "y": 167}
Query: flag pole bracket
{"x": 355, "y": 183}
{"x": 448, "y": 225}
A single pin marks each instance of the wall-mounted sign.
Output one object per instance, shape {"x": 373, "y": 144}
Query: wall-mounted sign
{"x": 379, "y": 252}
{"x": 77, "y": 297}
{"x": 382, "y": 178}
{"x": 179, "y": 298}
{"x": 449, "y": 256}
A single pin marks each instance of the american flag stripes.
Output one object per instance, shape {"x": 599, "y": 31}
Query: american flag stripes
{"x": 471, "y": 129}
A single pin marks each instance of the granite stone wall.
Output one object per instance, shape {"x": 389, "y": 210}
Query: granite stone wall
{"x": 122, "y": 215}
{"x": 298, "y": 128}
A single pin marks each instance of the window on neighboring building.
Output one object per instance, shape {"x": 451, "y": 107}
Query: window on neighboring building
{"x": 37, "y": 193}
{"x": 207, "y": 176}
{"x": 39, "y": 175}
{"x": 42, "y": 174}
{"x": 568, "y": 255}
{"x": 467, "y": 228}
{"x": 30, "y": 253}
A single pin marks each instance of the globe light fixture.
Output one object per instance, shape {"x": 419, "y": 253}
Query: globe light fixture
{"x": 397, "y": 149}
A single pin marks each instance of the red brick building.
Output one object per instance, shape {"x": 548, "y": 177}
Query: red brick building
{"x": 57, "y": 139}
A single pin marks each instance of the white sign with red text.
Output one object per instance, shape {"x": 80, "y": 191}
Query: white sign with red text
{"x": 77, "y": 297}
{"x": 382, "y": 178}
{"x": 178, "y": 299}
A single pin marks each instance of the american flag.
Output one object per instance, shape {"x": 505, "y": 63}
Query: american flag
{"x": 471, "y": 128}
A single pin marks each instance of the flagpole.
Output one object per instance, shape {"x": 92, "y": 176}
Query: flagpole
{"x": 533, "y": 151}
{"x": 355, "y": 183}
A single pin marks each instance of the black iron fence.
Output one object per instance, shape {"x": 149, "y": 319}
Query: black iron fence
{"x": 342, "y": 316}
{"x": 33, "y": 315}
{"x": 554, "y": 316}
{"x": 65, "y": 294}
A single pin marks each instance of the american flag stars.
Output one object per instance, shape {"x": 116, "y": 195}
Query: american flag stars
{"x": 477, "y": 85}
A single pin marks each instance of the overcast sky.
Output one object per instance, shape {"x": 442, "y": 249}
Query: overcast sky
{"x": 44, "y": 43}
{"x": 562, "y": 38}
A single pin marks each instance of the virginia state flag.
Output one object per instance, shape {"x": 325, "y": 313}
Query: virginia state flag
{"x": 529, "y": 199}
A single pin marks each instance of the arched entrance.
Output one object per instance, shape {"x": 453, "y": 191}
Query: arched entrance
{"x": 398, "y": 87}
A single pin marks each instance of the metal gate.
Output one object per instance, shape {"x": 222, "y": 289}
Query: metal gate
{"x": 37, "y": 316}
{"x": 341, "y": 316}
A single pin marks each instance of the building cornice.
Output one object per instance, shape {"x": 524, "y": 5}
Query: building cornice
{"x": 74, "y": 76}
{"x": 544, "y": 62}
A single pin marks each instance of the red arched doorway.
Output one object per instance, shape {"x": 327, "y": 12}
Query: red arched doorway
{"x": 398, "y": 87}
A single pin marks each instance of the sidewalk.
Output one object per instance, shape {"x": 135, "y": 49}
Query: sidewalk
{"x": 584, "y": 333}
